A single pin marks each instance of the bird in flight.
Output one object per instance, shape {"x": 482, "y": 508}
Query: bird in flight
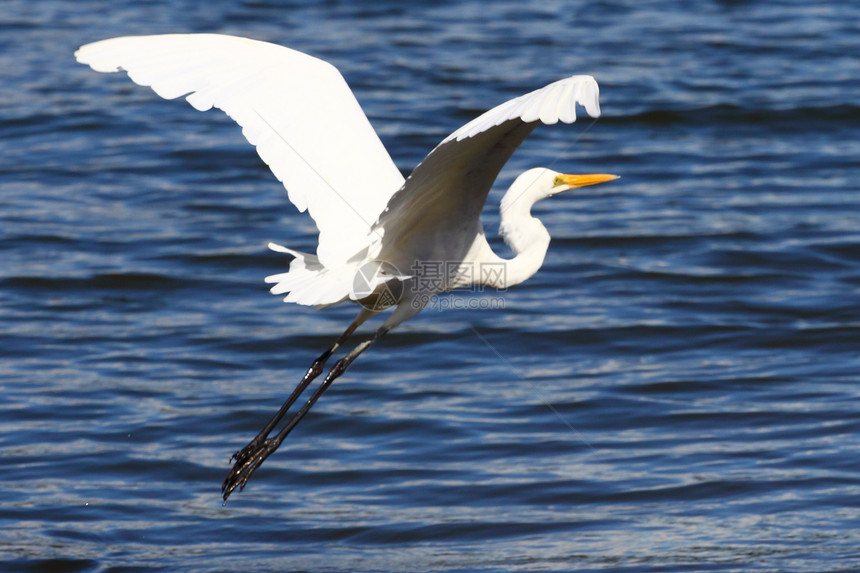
{"x": 380, "y": 236}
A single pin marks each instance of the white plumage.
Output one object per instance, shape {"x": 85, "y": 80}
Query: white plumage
{"x": 550, "y": 104}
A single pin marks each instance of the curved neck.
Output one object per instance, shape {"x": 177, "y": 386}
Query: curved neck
{"x": 525, "y": 235}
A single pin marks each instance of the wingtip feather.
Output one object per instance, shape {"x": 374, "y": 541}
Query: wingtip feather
{"x": 550, "y": 104}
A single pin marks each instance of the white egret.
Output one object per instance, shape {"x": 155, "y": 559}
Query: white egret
{"x": 377, "y": 232}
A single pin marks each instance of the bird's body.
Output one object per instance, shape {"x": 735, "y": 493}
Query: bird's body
{"x": 380, "y": 236}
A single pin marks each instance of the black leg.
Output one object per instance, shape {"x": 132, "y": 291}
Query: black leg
{"x": 261, "y": 447}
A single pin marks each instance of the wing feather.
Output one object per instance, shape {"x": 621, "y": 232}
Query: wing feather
{"x": 528, "y": 107}
{"x": 447, "y": 191}
{"x": 297, "y": 110}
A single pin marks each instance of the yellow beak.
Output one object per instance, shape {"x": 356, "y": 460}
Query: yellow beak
{"x": 583, "y": 180}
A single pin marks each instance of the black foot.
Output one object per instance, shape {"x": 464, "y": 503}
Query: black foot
{"x": 247, "y": 461}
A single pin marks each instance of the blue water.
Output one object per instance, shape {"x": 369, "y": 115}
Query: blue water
{"x": 678, "y": 389}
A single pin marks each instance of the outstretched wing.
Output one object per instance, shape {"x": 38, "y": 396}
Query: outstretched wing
{"x": 297, "y": 110}
{"x": 447, "y": 191}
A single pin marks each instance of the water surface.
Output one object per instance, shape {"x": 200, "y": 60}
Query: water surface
{"x": 676, "y": 390}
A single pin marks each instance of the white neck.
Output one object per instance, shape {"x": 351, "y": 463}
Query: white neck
{"x": 526, "y": 236}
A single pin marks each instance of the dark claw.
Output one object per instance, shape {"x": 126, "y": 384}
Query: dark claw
{"x": 247, "y": 461}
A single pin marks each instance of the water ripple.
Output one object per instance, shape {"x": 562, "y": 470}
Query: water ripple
{"x": 674, "y": 391}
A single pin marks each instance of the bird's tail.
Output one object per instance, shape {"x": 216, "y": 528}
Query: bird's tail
{"x": 308, "y": 282}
